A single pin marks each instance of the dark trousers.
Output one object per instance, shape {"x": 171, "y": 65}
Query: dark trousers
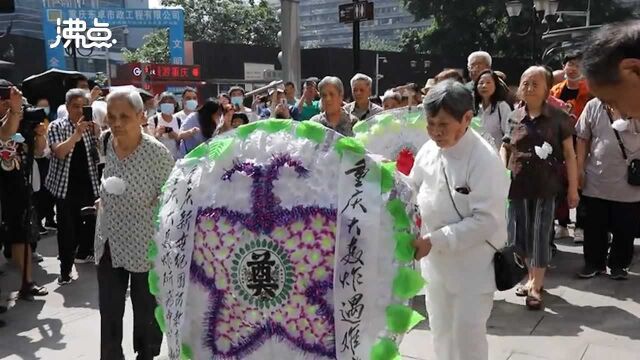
{"x": 43, "y": 200}
{"x": 618, "y": 218}
{"x": 74, "y": 231}
{"x": 112, "y": 285}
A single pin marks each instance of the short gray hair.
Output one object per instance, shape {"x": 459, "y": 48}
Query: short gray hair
{"x": 167, "y": 95}
{"x": 361, "y": 77}
{"x": 450, "y": 96}
{"x": 334, "y": 81}
{"x": 76, "y": 93}
{"x": 480, "y": 54}
{"x": 390, "y": 94}
{"x": 131, "y": 96}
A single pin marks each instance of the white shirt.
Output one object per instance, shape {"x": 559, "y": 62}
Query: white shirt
{"x": 171, "y": 144}
{"x": 495, "y": 123}
{"x": 183, "y": 115}
{"x": 460, "y": 259}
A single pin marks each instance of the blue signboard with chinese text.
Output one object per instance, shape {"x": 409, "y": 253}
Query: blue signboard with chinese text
{"x": 173, "y": 19}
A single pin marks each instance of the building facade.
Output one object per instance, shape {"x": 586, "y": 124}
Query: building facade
{"x": 320, "y": 26}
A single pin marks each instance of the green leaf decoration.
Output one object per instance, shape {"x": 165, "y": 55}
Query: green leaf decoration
{"x": 199, "y": 152}
{"x": 185, "y": 352}
{"x": 350, "y": 144}
{"x": 361, "y": 127}
{"x": 243, "y": 131}
{"x": 407, "y": 283}
{"x": 154, "y": 280}
{"x": 386, "y": 176}
{"x": 404, "y": 250}
{"x": 311, "y": 130}
{"x": 156, "y": 216}
{"x": 397, "y": 210}
{"x": 159, "y": 314}
{"x": 218, "y": 147}
{"x": 385, "y": 119}
{"x": 401, "y": 319}
{"x": 415, "y": 118}
{"x": 476, "y": 124}
{"x": 274, "y": 125}
{"x": 152, "y": 252}
{"x": 385, "y": 349}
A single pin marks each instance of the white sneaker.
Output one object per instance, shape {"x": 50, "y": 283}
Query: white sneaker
{"x": 578, "y": 236}
{"x": 562, "y": 232}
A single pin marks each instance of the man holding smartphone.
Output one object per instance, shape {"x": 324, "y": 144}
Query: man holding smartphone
{"x": 73, "y": 180}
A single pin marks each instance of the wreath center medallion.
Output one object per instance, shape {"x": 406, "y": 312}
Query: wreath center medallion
{"x": 262, "y": 274}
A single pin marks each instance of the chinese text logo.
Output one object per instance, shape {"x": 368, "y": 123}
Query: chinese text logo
{"x": 76, "y": 31}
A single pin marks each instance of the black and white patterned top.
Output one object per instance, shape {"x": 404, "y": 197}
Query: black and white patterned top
{"x": 58, "y": 176}
{"x": 344, "y": 127}
{"x": 126, "y": 221}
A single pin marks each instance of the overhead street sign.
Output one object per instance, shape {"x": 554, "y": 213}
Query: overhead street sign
{"x": 355, "y": 11}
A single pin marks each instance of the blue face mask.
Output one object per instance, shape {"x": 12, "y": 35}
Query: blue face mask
{"x": 191, "y": 105}
{"x": 47, "y": 110}
{"x": 237, "y": 100}
{"x": 167, "y": 108}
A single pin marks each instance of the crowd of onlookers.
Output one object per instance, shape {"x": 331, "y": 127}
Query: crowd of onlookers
{"x": 564, "y": 148}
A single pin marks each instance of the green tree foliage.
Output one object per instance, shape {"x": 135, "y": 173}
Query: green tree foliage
{"x": 155, "y": 49}
{"x": 229, "y": 21}
{"x": 462, "y": 26}
{"x": 375, "y": 43}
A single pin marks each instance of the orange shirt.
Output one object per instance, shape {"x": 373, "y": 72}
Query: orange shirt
{"x": 577, "y": 104}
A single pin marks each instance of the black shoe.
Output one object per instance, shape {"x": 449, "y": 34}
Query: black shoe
{"x": 43, "y": 231}
{"x": 64, "y": 280}
{"x": 619, "y": 274}
{"x": 51, "y": 224}
{"x": 3, "y": 309}
{"x": 28, "y": 292}
{"x": 2, "y": 324}
{"x": 588, "y": 272}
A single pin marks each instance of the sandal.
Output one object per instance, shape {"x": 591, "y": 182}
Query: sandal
{"x": 533, "y": 302}
{"x": 31, "y": 290}
{"x": 522, "y": 290}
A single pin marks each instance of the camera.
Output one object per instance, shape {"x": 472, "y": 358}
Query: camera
{"x": 168, "y": 130}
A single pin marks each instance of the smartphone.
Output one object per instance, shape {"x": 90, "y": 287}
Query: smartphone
{"x": 168, "y": 130}
{"x": 5, "y": 92}
{"x": 87, "y": 113}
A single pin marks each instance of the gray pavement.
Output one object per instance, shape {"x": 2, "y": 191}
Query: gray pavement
{"x": 583, "y": 320}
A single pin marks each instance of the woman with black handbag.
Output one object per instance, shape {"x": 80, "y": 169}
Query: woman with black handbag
{"x": 540, "y": 143}
{"x": 607, "y": 148}
{"x": 462, "y": 191}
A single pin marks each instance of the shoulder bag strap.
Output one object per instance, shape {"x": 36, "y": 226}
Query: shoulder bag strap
{"x": 453, "y": 202}
{"x": 624, "y": 152}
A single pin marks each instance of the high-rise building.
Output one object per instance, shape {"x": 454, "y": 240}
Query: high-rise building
{"x": 320, "y": 26}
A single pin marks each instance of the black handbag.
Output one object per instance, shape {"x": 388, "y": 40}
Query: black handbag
{"x": 633, "y": 166}
{"x": 509, "y": 268}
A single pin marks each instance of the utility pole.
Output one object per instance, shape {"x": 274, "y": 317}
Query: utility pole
{"x": 356, "y": 44}
{"x": 290, "y": 41}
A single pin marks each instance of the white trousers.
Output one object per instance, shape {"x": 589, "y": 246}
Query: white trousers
{"x": 458, "y": 323}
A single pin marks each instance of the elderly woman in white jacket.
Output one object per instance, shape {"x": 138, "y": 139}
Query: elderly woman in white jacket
{"x": 462, "y": 191}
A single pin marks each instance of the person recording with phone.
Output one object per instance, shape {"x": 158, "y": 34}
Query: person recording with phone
{"x": 73, "y": 180}
{"x": 165, "y": 126}
{"x": 278, "y": 107}
{"x": 18, "y": 230}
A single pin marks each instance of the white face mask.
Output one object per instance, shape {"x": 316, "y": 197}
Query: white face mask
{"x": 237, "y": 100}
{"x": 167, "y": 108}
{"x": 191, "y": 105}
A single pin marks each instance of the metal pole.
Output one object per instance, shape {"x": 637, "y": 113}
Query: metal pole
{"x": 356, "y": 46}
{"x": 108, "y": 69}
{"x": 588, "y": 12}
{"x": 377, "y": 73}
{"x": 534, "y": 23}
{"x": 290, "y": 23}
{"x": 74, "y": 55}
